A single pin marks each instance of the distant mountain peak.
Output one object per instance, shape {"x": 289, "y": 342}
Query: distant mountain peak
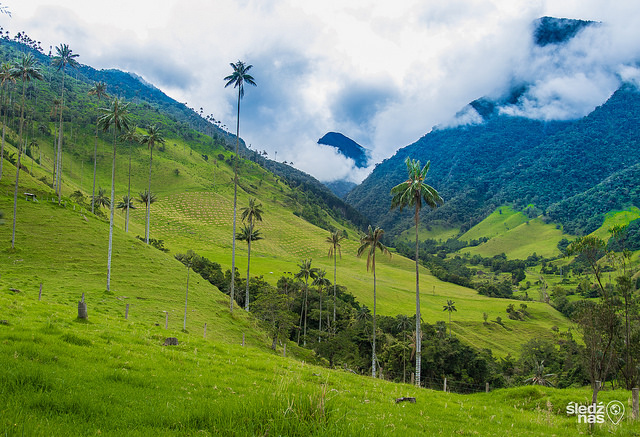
{"x": 551, "y": 30}
{"x": 346, "y": 147}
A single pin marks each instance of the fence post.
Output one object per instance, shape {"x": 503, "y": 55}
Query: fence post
{"x": 486, "y": 388}
{"x": 445, "y": 385}
{"x": 243, "y": 339}
{"x": 126, "y": 312}
{"x": 205, "y": 330}
{"x": 166, "y": 319}
{"x": 634, "y": 395}
{"x": 40, "y": 294}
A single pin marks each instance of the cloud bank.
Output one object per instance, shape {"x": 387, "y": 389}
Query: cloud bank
{"x": 382, "y": 73}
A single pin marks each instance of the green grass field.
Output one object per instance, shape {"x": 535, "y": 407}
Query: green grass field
{"x": 194, "y": 211}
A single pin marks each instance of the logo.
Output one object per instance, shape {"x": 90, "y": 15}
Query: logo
{"x": 597, "y": 413}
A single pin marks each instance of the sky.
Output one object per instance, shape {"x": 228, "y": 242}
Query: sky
{"x": 382, "y": 73}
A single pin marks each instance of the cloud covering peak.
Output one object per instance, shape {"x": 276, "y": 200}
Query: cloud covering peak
{"x": 381, "y": 73}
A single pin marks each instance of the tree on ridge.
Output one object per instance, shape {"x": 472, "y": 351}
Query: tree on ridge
{"x": 64, "y": 56}
{"x": 334, "y": 240}
{"x": 118, "y": 118}
{"x": 99, "y": 90}
{"x": 251, "y": 214}
{"x": 372, "y": 241}
{"x": 26, "y": 70}
{"x": 413, "y": 192}
{"x": 238, "y": 78}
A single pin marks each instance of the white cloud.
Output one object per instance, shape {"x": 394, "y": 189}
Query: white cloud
{"x": 382, "y": 73}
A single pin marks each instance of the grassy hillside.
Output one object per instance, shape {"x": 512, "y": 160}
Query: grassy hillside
{"x": 110, "y": 376}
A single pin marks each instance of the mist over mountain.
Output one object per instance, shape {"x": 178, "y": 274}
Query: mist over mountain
{"x": 511, "y": 149}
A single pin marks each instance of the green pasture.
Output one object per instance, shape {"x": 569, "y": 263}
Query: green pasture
{"x": 113, "y": 377}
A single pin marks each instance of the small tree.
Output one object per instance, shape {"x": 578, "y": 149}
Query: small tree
{"x": 451, "y": 308}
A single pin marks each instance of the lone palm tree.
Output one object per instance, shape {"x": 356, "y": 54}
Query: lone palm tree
{"x": 248, "y": 234}
{"x": 334, "y": 240}
{"x": 413, "y": 192}
{"x": 64, "y": 56}
{"x": 99, "y": 90}
{"x": 152, "y": 138}
{"x": 371, "y": 241}
{"x": 306, "y": 272}
{"x": 5, "y": 79}
{"x": 238, "y": 78}
{"x": 321, "y": 282}
{"x": 131, "y": 136}
{"x": 451, "y": 308}
{"x": 116, "y": 117}
{"x": 25, "y": 70}
{"x": 251, "y": 214}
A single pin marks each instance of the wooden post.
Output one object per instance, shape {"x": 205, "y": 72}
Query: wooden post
{"x": 166, "y": 319}
{"x": 126, "y": 312}
{"x": 445, "y": 385}
{"x": 82, "y": 308}
{"x": 40, "y": 294}
{"x": 635, "y": 414}
{"x": 205, "y": 330}
{"x": 486, "y": 388}
{"x": 243, "y": 339}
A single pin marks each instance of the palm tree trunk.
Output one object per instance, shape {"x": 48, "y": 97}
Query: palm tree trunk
{"x": 246, "y": 297}
{"x": 320, "y": 318}
{"x": 418, "y": 332}
{"x": 334, "y": 290}
{"x": 235, "y": 207}
{"x": 15, "y": 192}
{"x": 373, "y": 355}
{"x": 4, "y": 123}
{"x": 306, "y": 311}
{"x": 146, "y": 234}
{"x": 126, "y": 223}
{"x": 60, "y": 139}
{"x": 2, "y": 149}
{"x": 95, "y": 166}
{"x": 113, "y": 192}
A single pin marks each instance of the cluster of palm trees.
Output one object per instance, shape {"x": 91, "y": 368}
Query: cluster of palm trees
{"x": 116, "y": 117}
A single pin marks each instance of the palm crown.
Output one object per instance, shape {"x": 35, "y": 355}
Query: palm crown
{"x": 239, "y": 76}
{"x": 415, "y": 190}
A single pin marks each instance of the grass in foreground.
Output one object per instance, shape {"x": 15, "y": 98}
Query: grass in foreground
{"x": 111, "y": 376}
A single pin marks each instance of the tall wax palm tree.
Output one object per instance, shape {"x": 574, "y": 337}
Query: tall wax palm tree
{"x": 26, "y": 70}
{"x": 131, "y": 136}
{"x": 306, "y": 272}
{"x": 248, "y": 233}
{"x": 99, "y": 90}
{"x": 451, "y": 308}
{"x": 321, "y": 282}
{"x": 334, "y": 240}
{"x": 413, "y": 192}
{"x": 238, "y": 78}
{"x": 251, "y": 214}
{"x": 371, "y": 241}
{"x": 5, "y": 79}
{"x": 64, "y": 56}
{"x": 152, "y": 138}
{"x": 117, "y": 118}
